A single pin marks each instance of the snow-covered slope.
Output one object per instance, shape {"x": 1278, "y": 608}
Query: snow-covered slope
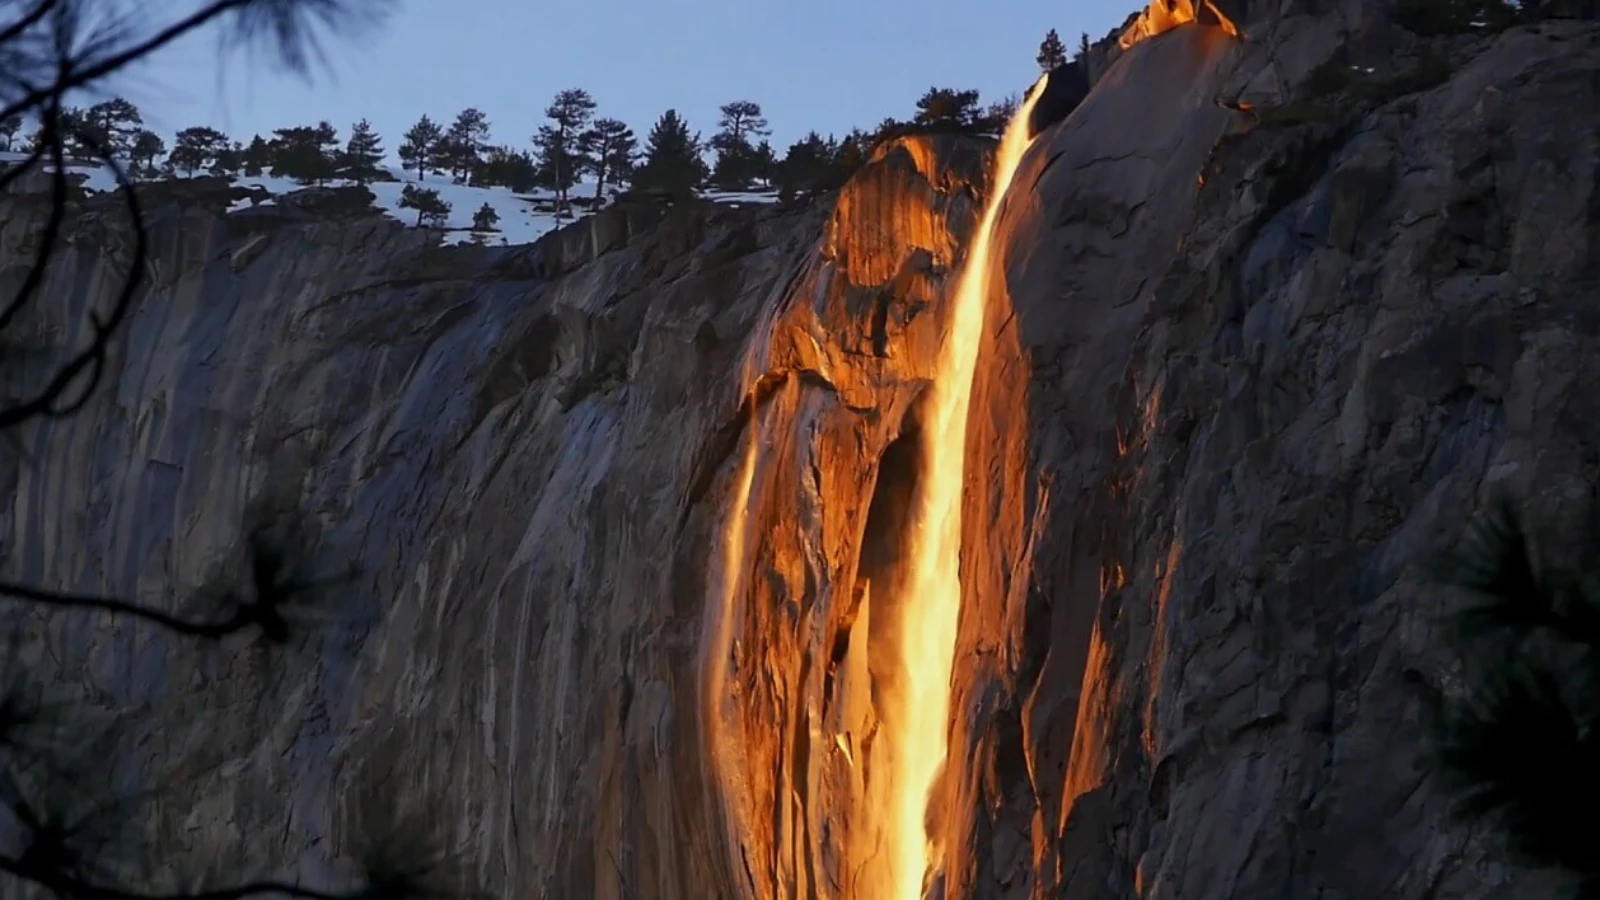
{"x": 96, "y": 177}
{"x": 523, "y": 218}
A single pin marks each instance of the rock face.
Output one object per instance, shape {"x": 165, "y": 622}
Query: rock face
{"x": 623, "y": 503}
{"x": 1259, "y": 402}
{"x": 1066, "y": 87}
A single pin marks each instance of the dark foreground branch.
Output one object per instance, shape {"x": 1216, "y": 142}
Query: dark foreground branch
{"x": 1521, "y": 746}
{"x": 288, "y": 24}
{"x": 404, "y": 862}
{"x": 244, "y": 617}
{"x": 278, "y": 577}
{"x": 87, "y": 367}
{"x": 50, "y": 149}
{"x": 71, "y": 886}
{"x": 37, "y": 85}
{"x": 48, "y": 49}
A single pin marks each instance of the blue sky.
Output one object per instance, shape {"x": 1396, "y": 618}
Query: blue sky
{"x": 821, "y": 64}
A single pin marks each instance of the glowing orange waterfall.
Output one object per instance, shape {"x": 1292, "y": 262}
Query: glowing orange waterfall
{"x": 718, "y": 626}
{"x": 931, "y": 601}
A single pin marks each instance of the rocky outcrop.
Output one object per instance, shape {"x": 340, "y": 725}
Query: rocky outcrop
{"x": 1064, "y": 90}
{"x": 623, "y": 503}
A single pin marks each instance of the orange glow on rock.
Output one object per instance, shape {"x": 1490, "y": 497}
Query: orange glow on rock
{"x": 1162, "y": 16}
{"x": 932, "y": 595}
{"x": 718, "y": 626}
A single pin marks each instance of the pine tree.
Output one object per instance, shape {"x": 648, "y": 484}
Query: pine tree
{"x": 946, "y": 108}
{"x": 419, "y": 147}
{"x": 485, "y": 219}
{"x": 764, "y": 163}
{"x": 737, "y": 161}
{"x": 805, "y": 166}
{"x": 1052, "y": 53}
{"x": 672, "y": 159}
{"x": 432, "y": 210}
{"x": 113, "y": 123}
{"x": 256, "y": 158}
{"x": 560, "y": 157}
{"x": 741, "y": 123}
{"x": 90, "y": 135}
{"x": 852, "y": 155}
{"x": 305, "y": 154}
{"x": 78, "y": 139}
{"x": 143, "y": 151}
{"x": 560, "y": 160}
{"x": 195, "y": 148}
{"x": 461, "y": 149}
{"x": 229, "y": 161}
{"x": 362, "y": 158}
{"x": 8, "y": 131}
{"x": 609, "y": 150}
{"x": 997, "y": 115}
{"x": 509, "y": 168}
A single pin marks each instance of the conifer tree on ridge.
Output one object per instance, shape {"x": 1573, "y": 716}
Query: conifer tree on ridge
{"x": 1052, "y": 53}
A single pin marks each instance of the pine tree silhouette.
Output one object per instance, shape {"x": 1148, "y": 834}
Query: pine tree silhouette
{"x": 419, "y": 148}
{"x": 459, "y": 150}
{"x": 562, "y": 160}
{"x": 432, "y": 210}
{"x": 673, "y": 163}
{"x": 1052, "y": 53}
{"x": 362, "y": 158}
{"x": 1520, "y": 746}
{"x": 609, "y": 150}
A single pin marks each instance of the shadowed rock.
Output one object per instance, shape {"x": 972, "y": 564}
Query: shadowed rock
{"x": 1064, "y": 90}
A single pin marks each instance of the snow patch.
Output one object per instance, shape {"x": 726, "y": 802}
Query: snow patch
{"x": 524, "y": 218}
{"x": 739, "y": 198}
{"x": 96, "y": 178}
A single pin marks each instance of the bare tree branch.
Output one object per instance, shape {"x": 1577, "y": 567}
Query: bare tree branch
{"x": 91, "y": 360}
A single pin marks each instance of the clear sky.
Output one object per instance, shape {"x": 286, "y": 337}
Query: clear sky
{"x": 827, "y": 65}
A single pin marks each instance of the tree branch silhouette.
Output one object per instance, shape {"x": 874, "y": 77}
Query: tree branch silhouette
{"x": 1521, "y": 745}
{"x": 49, "y": 50}
{"x": 91, "y": 360}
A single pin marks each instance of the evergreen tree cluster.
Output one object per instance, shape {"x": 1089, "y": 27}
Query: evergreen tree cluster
{"x": 308, "y": 154}
{"x": 573, "y": 143}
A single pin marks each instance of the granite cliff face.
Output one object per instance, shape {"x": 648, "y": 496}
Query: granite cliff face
{"x": 1261, "y": 339}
